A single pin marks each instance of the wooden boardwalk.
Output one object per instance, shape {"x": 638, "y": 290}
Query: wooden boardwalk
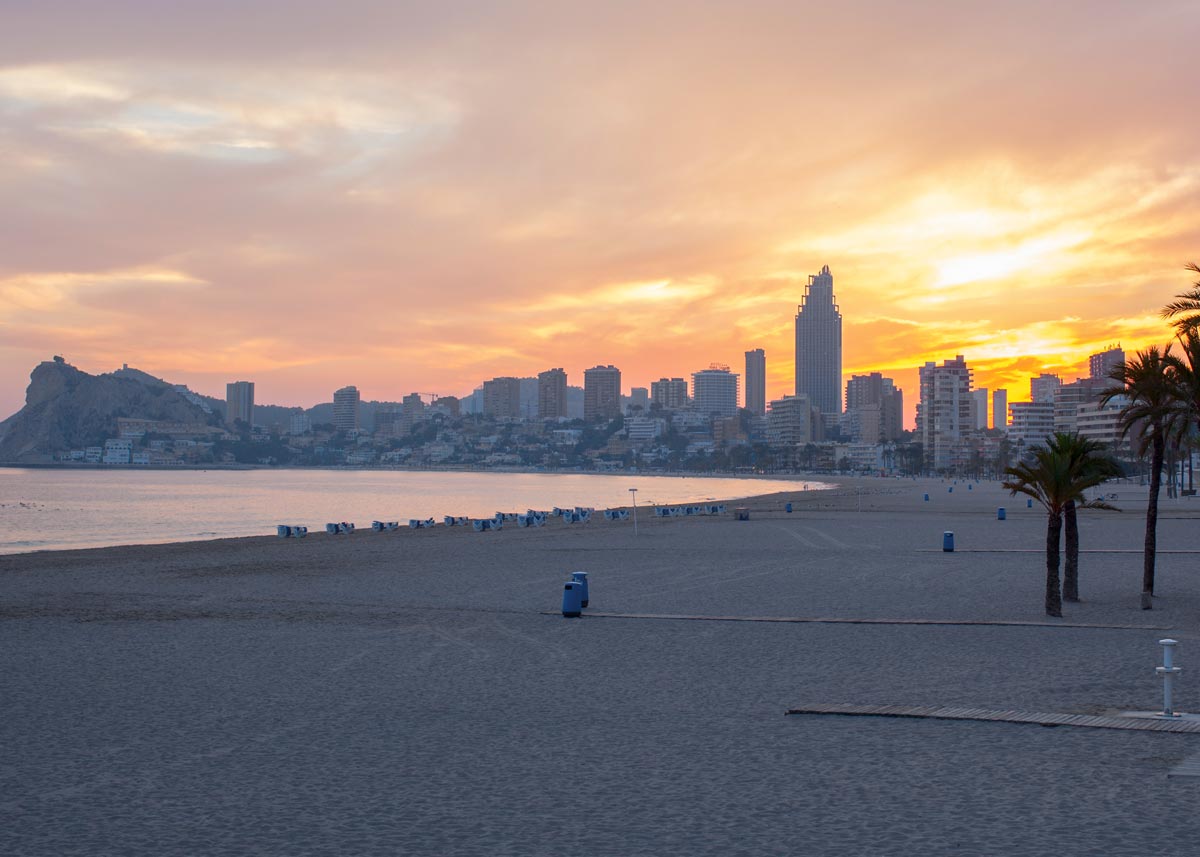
{"x": 1012, "y": 716}
{"x": 830, "y": 620}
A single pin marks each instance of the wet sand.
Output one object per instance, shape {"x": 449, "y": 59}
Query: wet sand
{"x": 416, "y": 692}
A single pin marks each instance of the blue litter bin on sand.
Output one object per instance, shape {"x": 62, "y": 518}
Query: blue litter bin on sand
{"x": 572, "y": 599}
{"x": 950, "y": 490}
{"x": 580, "y": 577}
{"x": 1000, "y": 514}
{"x": 787, "y": 507}
{"x": 1029, "y": 503}
{"x": 947, "y": 542}
{"x": 926, "y": 498}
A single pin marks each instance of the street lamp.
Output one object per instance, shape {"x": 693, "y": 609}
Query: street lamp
{"x": 633, "y": 493}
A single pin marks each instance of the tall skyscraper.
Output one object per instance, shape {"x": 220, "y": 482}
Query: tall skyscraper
{"x": 756, "y": 382}
{"x": 345, "y": 409}
{"x": 669, "y": 393}
{"x": 1000, "y": 409}
{"x": 714, "y": 391}
{"x": 944, "y": 413}
{"x": 819, "y": 346}
{"x": 552, "y": 394}
{"x": 1103, "y": 362}
{"x": 601, "y": 393}
{"x": 502, "y": 398}
{"x": 239, "y": 402}
{"x": 979, "y": 406}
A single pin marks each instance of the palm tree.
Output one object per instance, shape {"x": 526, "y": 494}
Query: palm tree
{"x": 1055, "y": 477}
{"x": 1185, "y": 309}
{"x": 1152, "y": 412}
{"x": 1089, "y": 461}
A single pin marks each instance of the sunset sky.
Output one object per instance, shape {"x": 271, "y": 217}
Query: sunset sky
{"x": 418, "y": 197}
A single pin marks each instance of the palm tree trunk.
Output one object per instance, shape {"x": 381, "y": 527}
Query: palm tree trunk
{"x": 1071, "y": 572}
{"x": 1156, "y": 465}
{"x": 1053, "y": 536}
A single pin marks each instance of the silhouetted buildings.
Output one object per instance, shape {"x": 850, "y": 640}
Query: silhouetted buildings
{"x": 819, "y": 346}
{"x": 239, "y": 402}
{"x": 601, "y": 393}
{"x": 756, "y": 382}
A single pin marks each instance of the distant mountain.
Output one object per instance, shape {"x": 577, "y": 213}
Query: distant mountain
{"x": 66, "y": 408}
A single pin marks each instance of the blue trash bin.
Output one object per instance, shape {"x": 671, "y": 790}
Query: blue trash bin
{"x": 580, "y": 577}
{"x": 1000, "y": 514}
{"x": 947, "y": 542}
{"x": 1029, "y": 503}
{"x": 572, "y": 599}
{"x": 926, "y": 498}
{"x": 787, "y": 507}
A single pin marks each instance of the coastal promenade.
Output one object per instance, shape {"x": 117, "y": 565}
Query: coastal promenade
{"x": 416, "y": 692}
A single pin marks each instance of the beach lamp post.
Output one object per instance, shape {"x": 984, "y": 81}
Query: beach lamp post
{"x": 633, "y": 494}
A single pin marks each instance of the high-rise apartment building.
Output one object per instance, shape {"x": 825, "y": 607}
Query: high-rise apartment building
{"x": 639, "y": 397}
{"x": 670, "y": 393}
{"x": 1103, "y": 362}
{"x": 979, "y": 406}
{"x": 502, "y": 398}
{"x": 944, "y": 413}
{"x": 819, "y": 346}
{"x": 715, "y": 391}
{"x": 601, "y": 393}
{"x": 552, "y": 394}
{"x": 1071, "y": 397}
{"x": 239, "y": 402}
{"x": 1031, "y": 422}
{"x": 790, "y": 422}
{"x": 1000, "y": 409}
{"x": 756, "y": 382}
{"x": 874, "y": 409}
{"x": 345, "y": 409}
{"x": 1043, "y": 388}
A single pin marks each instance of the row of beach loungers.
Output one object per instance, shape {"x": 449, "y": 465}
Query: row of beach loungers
{"x": 531, "y": 518}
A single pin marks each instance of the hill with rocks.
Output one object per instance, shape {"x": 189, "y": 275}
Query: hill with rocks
{"x": 67, "y": 408}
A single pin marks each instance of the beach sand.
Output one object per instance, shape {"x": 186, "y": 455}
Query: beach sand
{"x": 417, "y": 693}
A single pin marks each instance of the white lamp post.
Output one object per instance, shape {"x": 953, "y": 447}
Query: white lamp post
{"x": 633, "y": 493}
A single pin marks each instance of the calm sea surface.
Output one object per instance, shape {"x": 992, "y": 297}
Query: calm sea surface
{"x": 54, "y": 509}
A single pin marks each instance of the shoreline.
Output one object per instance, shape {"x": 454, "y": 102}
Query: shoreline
{"x": 30, "y": 538}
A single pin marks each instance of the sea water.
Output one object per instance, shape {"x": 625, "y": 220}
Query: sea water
{"x": 52, "y": 509}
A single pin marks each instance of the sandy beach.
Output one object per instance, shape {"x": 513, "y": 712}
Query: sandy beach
{"x": 416, "y": 692}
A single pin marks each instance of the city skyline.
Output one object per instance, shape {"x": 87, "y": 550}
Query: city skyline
{"x": 412, "y": 199}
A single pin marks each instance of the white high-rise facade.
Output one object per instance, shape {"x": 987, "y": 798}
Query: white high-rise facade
{"x": 819, "y": 346}
{"x": 345, "y": 409}
{"x": 715, "y": 391}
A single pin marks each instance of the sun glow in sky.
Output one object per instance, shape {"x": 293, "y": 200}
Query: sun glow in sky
{"x": 420, "y": 197}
